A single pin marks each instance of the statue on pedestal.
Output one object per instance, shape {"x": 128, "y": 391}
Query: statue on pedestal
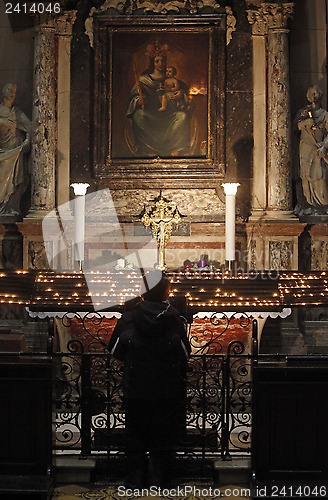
{"x": 15, "y": 133}
{"x": 312, "y": 124}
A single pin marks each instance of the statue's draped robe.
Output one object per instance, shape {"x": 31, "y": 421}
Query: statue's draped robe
{"x": 313, "y": 168}
{"x": 14, "y": 130}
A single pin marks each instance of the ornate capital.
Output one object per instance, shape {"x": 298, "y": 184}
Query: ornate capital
{"x": 269, "y": 16}
{"x": 277, "y": 14}
{"x": 64, "y": 23}
{"x": 258, "y": 21}
{"x": 44, "y": 22}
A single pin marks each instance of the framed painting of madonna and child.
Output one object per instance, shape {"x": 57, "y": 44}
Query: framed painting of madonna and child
{"x": 159, "y": 97}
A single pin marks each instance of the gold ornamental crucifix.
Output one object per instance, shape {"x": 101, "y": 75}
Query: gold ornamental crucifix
{"x": 160, "y": 217}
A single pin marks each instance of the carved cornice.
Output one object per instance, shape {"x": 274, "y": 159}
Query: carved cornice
{"x": 157, "y": 8}
{"x": 269, "y": 16}
{"x": 165, "y": 7}
{"x": 129, "y": 7}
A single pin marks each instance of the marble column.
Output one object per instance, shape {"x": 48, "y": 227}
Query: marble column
{"x": 44, "y": 121}
{"x": 271, "y": 196}
{"x": 64, "y": 26}
{"x": 279, "y": 168}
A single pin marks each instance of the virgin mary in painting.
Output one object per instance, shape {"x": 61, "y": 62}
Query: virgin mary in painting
{"x": 158, "y": 131}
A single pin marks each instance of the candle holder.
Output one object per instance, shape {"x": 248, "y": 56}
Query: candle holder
{"x": 80, "y": 189}
{"x": 230, "y": 191}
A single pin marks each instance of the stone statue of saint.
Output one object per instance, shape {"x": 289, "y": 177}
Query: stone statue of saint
{"x": 312, "y": 123}
{"x": 15, "y": 133}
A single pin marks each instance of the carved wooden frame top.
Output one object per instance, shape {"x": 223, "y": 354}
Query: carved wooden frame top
{"x": 158, "y": 172}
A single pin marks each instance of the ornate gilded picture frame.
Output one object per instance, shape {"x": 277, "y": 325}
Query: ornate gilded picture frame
{"x": 159, "y": 102}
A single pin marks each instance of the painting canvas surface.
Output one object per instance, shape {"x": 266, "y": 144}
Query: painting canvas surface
{"x": 159, "y": 99}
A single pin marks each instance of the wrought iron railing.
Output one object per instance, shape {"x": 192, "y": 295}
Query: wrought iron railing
{"x": 214, "y": 420}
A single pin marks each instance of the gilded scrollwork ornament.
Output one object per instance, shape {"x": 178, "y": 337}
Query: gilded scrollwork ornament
{"x": 231, "y": 24}
{"x": 160, "y": 7}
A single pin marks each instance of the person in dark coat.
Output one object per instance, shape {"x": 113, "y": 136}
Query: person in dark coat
{"x": 151, "y": 339}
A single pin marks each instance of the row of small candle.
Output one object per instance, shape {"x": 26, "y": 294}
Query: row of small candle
{"x": 204, "y": 291}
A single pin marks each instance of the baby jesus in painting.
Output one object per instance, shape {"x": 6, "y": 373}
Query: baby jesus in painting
{"x": 172, "y": 95}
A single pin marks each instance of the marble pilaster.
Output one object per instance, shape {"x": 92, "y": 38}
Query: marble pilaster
{"x": 259, "y": 191}
{"x": 64, "y": 25}
{"x": 279, "y": 120}
{"x": 44, "y": 121}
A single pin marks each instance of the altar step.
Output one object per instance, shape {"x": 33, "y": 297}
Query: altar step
{"x": 235, "y": 471}
{"x": 74, "y": 469}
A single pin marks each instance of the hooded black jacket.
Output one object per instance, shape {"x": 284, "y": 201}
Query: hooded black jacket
{"x": 151, "y": 340}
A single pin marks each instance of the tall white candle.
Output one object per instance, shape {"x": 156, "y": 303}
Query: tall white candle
{"x": 80, "y": 189}
{"x": 230, "y": 190}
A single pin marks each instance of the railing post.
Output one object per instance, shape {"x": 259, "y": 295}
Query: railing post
{"x": 204, "y": 401}
{"x": 225, "y": 455}
{"x": 85, "y": 404}
{"x": 51, "y": 334}
{"x": 255, "y": 346}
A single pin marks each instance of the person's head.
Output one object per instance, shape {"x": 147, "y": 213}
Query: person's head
{"x": 156, "y": 286}
{"x": 314, "y": 94}
{"x": 9, "y": 92}
{"x": 157, "y": 62}
{"x": 171, "y": 71}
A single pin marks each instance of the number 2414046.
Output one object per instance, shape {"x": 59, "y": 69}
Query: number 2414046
{"x": 32, "y": 7}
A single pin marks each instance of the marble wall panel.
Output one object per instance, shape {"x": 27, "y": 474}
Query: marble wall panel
{"x": 239, "y": 63}
{"x": 81, "y": 96}
{"x": 80, "y": 138}
{"x": 239, "y": 144}
{"x": 129, "y": 203}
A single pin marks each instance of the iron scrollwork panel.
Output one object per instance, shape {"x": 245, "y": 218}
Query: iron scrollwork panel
{"x": 216, "y": 415}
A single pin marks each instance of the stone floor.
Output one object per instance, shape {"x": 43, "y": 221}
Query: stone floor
{"x": 182, "y": 492}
